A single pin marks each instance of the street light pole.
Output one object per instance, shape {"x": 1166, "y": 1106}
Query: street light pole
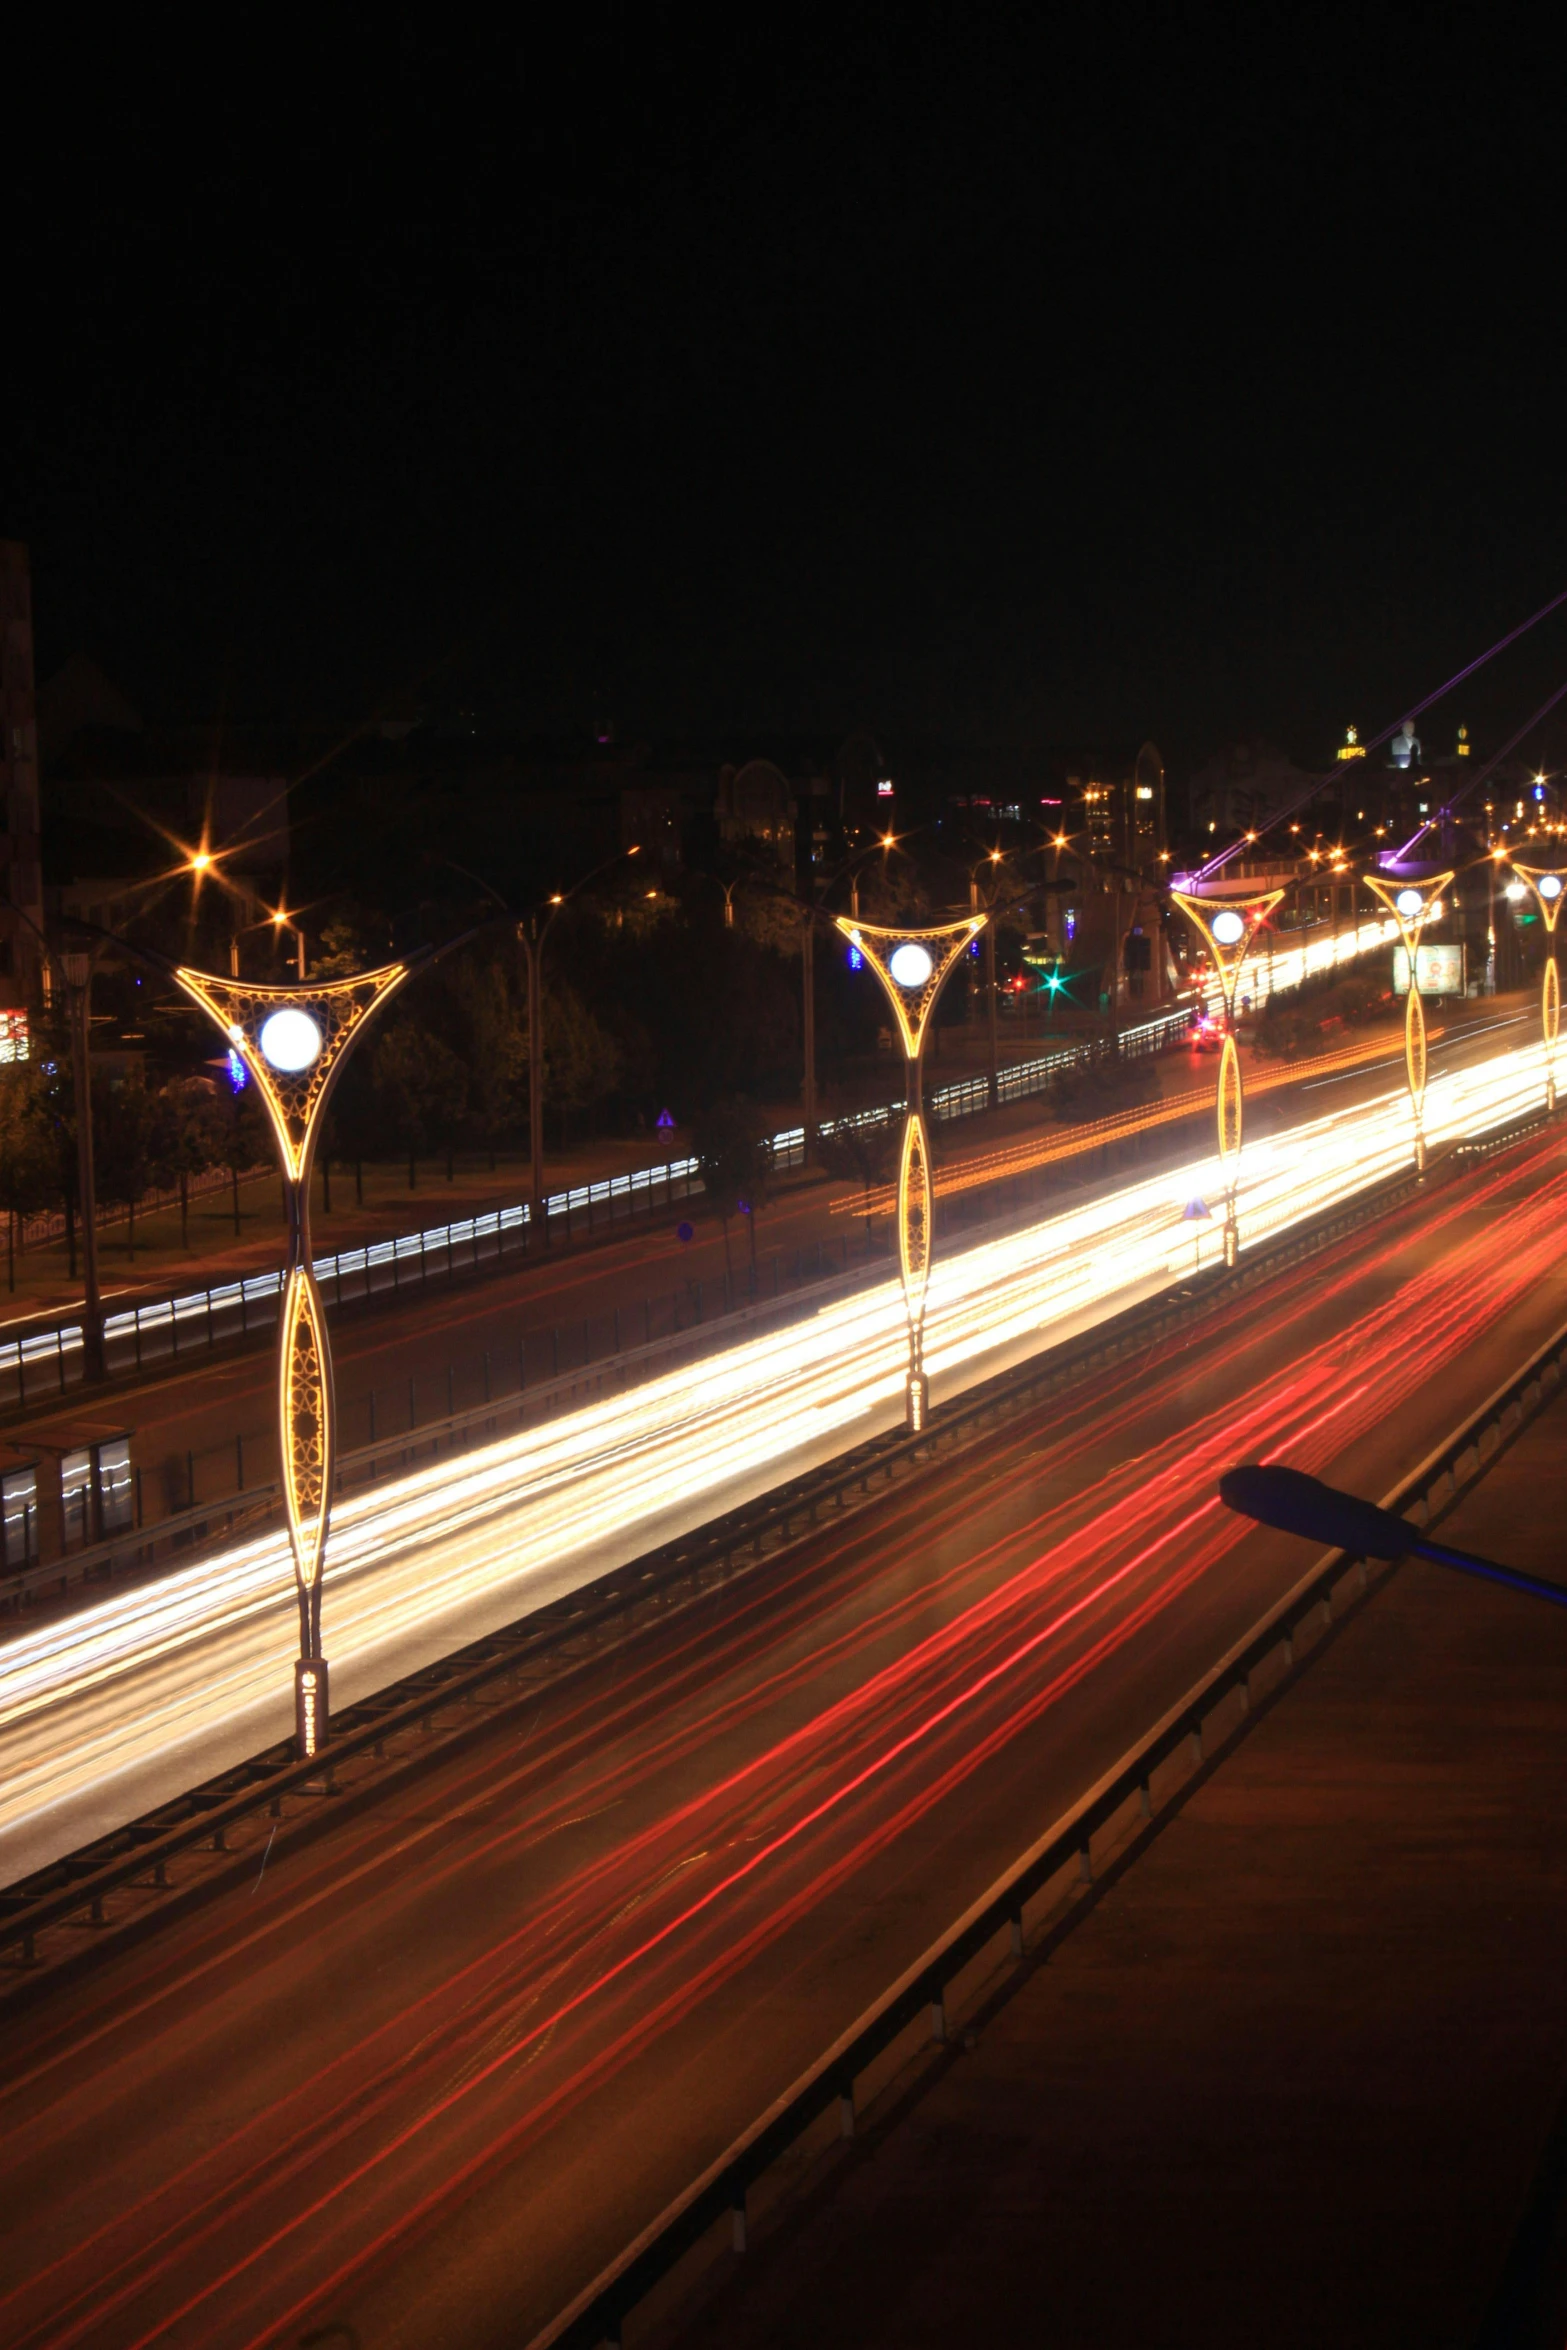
{"x": 530, "y": 930}
{"x": 76, "y": 964}
{"x": 913, "y": 966}
{"x": 1410, "y": 904}
{"x": 808, "y": 1025}
{"x": 993, "y": 1088}
{"x": 530, "y": 937}
{"x": 295, "y": 1041}
{"x": 1229, "y": 928}
{"x": 1548, "y": 885}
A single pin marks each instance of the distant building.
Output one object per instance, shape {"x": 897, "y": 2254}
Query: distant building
{"x": 1120, "y": 809}
{"x": 21, "y": 876}
{"x": 755, "y": 804}
{"x": 1247, "y": 788}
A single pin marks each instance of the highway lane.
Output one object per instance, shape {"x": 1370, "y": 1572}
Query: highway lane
{"x": 437, "y": 1341}
{"x": 105, "y": 1712}
{"x": 434, "y": 2071}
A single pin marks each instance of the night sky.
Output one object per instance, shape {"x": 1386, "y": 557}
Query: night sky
{"x": 991, "y": 375}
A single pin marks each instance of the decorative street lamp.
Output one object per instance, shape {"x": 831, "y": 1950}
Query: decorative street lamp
{"x": 1549, "y": 885}
{"x": 1229, "y": 925}
{"x": 1410, "y": 903}
{"x": 294, "y": 1041}
{"x": 913, "y": 966}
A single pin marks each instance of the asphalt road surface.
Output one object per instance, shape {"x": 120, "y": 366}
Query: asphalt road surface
{"x": 428, "y": 2074}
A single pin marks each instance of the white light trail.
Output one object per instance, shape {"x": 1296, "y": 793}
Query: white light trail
{"x": 183, "y": 1675}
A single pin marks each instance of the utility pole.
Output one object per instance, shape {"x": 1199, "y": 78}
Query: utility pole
{"x": 531, "y": 940}
{"x": 77, "y": 965}
{"x": 808, "y": 999}
{"x": 993, "y": 1090}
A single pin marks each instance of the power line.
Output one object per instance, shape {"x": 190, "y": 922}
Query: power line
{"x": 1488, "y": 769}
{"x": 1217, "y": 863}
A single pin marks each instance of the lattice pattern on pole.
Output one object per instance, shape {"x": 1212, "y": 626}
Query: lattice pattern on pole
{"x": 339, "y": 1008}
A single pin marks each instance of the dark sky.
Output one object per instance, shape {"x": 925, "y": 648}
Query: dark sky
{"x": 1007, "y": 374}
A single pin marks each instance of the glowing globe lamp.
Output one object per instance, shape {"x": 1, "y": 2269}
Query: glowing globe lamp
{"x": 290, "y": 1040}
{"x": 1229, "y": 928}
{"x": 910, "y": 964}
{"x": 1409, "y": 903}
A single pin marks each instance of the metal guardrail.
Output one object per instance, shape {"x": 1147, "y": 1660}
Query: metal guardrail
{"x": 597, "y": 2313}
{"x": 543, "y": 1646}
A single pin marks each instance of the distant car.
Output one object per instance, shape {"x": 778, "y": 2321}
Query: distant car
{"x": 1208, "y": 1034}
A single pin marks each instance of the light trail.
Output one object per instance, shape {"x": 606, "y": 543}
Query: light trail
{"x": 671, "y": 1906}
{"x": 186, "y": 1665}
{"x": 1023, "y": 1158}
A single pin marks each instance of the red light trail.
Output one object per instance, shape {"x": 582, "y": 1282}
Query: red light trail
{"x": 829, "y": 1707}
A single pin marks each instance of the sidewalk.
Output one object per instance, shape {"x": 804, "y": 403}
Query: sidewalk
{"x": 1295, "y": 2076}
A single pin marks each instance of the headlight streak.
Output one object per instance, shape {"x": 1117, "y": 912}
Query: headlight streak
{"x": 1143, "y": 1525}
{"x": 183, "y": 1655}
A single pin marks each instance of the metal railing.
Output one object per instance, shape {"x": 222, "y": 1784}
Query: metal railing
{"x": 1065, "y": 1849}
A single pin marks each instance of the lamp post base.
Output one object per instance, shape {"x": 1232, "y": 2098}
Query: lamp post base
{"x": 1232, "y": 1244}
{"x": 916, "y": 1403}
{"x": 1420, "y": 1154}
{"x": 310, "y": 1706}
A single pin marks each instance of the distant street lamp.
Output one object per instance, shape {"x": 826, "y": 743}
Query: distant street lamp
{"x": 295, "y": 1041}
{"x": 993, "y": 1088}
{"x": 76, "y": 968}
{"x": 530, "y": 931}
{"x": 913, "y": 966}
{"x": 1229, "y": 925}
{"x": 1410, "y": 902}
{"x": 280, "y": 923}
{"x": 1549, "y": 884}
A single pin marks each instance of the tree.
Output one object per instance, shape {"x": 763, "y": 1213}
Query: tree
{"x": 495, "y": 1049}
{"x": 422, "y": 1089}
{"x": 582, "y": 1061}
{"x": 124, "y": 1125}
{"x": 29, "y": 1154}
{"x": 735, "y": 1160}
{"x": 860, "y": 1151}
{"x": 187, "y": 1137}
{"x": 243, "y": 1136}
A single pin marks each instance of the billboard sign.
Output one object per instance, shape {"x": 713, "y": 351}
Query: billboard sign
{"x": 1439, "y": 969}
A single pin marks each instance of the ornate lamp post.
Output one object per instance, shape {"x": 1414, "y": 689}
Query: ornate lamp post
{"x": 1549, "y": 885}
{"x": 294, "y": 1041}
{"x": 1228, "y": 926}
{"x": 913, "y": 966}
{"x": 1410, "y": 903}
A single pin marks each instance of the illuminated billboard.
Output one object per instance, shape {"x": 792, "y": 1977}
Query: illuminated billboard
{"x": 1439, "y": 970}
